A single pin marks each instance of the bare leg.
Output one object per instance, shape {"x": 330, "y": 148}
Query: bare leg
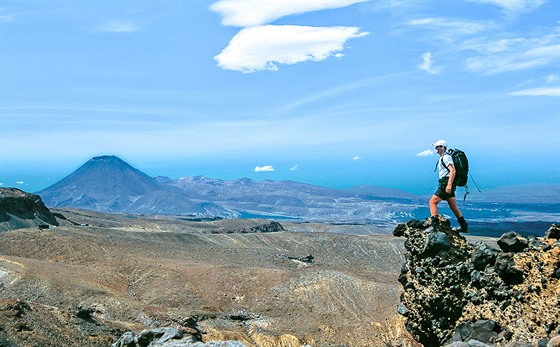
{"x": 453, "y": 206}
{"x": 433, "y": 205}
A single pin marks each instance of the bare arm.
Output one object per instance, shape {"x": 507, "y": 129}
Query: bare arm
{"x": 452, "y": 172}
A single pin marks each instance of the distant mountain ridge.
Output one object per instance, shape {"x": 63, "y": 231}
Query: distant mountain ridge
{"x": 108, "y": 184}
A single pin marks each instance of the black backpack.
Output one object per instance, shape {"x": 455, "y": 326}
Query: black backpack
{"x": 461, "y": 164}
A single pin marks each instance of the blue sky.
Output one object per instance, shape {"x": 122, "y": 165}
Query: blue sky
{"x": 330, "y": 92}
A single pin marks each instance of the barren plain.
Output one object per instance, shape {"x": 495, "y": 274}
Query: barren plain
{"x": 104, "y": 274}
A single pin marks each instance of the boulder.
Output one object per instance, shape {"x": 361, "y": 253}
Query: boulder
{"x": 436, "y": 242}
{"x": 483, "y": 256}
{"x": 553, "y": 232}
{"x": 512, "y": 242}
{"x": 505, "y": 268}
{"x": 554, "y": 342}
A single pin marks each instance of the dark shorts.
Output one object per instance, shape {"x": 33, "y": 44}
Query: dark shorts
{"x": 442, "y": 185}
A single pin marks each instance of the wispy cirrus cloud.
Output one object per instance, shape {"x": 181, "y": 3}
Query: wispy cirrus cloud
{"x": 6, "y": 18}
{"x": 264, "y": 47}
{"x": 513, "y": 6}
{"x": 545, "y": 91}
{"x": 119, "y": 26}
{"x": 513, "y": 54}
{"x": 428, "y": 64}
{"x": 449, "y": 29}
{"x": 249, "y": 13}
{"x": 497, "y": 51}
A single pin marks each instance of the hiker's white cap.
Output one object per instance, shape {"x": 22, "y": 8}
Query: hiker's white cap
{"x": 440, "y": 143}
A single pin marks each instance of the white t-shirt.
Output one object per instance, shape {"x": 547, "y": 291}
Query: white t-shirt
{"x": 443, "y": 171}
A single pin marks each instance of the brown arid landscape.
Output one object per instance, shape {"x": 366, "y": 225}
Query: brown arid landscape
{"x": 71, "y": 277}
{"x": 96, "y": 276}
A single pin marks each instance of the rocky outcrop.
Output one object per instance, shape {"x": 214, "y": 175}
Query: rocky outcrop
{"x": 27, "y": 323}
{"x": 458, "y": 293}
{"x": 19, "y": 209}
{"x": 168, "y": 337}
{"x": 263, "y": 226}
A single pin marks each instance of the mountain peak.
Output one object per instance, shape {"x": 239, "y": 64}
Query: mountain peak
{"x": 108, "y": 159}
{"x": 99, "y": 178}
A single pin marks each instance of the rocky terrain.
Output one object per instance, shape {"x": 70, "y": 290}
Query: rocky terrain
{"x": 83, "y": 278}
{"x": 95, "y": 277}
{"x": 456, "y": 293}
{"x": 19, "y": 209}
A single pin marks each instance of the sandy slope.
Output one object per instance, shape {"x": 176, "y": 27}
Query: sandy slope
{"x": 131, "y": 273}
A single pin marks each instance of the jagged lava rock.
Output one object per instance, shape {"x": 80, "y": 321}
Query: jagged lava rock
{"x": 511, "y": 242}
{"x": 553, "y": 232}
{"x": 168, "y": 337}
{"x": 19, "y": 209}
{"x": 465, "y": 294}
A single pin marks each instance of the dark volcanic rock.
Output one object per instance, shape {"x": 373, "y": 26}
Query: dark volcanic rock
{"x": 511, "y": 242}
{"x": 505, "y": 268}
{"x": 19, "y": 209}
{"x": 485, "y": 331}
{"x": 268, "y": 227}
{"x": 553, "y": 232}
{"x": 472, "y": 294}
{"x": 168, "y": 337}
{"x": 26, "y": 323}
{"x": 483, "y": 256}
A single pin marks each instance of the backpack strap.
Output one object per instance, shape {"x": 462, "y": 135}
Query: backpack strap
{"x": 442, "y": 164}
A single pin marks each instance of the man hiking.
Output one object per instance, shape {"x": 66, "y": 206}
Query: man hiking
{"x": 446, "y": 186}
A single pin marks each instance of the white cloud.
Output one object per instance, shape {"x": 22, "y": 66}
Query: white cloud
{"x": 249, "y": 13}
{"x": 262, "y": 48}
{"x": 294, "y": 168}
{"x": 552, "y": 91}
{"x": 357, "y": 158}
{"x": 425, "y": 153}
{"x": 119, "y": 27}
{"x": 20, "y": 182}
{"x": 6, "y": 18}
{"x": 428, "y": 64}
{"x": 266, "y": 168}
{"x": 551, "y": 78}
{"x": 449, "y": 29}
{"x": 519, "y": 55}
{"x": 513, "y": 6}
{"x": 496, "y": 51}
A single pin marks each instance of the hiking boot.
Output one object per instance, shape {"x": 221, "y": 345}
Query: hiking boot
{"x": 464, "y": 227}
{"x": 434, "y": 220}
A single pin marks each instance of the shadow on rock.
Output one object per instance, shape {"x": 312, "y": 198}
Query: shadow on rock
{"x": 457, "y": 293}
